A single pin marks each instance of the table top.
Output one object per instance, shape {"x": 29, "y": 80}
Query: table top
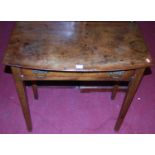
{"x": 77, "y": 46}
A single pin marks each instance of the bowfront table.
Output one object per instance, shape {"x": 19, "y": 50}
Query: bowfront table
{"x": 77, "y": 51}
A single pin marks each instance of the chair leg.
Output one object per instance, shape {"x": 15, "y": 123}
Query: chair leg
{"x": 114, "y": 91}
{"x": 35, "y": 90}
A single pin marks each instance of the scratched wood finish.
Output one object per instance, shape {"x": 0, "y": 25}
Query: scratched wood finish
{"x": 60, "y": 46}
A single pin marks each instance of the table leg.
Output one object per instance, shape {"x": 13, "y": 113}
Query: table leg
{"x": 22, "y": 96}
{"x": 35, "y": 90}
{"x": 133, "y": 85}
{"x": 114, "y": 90}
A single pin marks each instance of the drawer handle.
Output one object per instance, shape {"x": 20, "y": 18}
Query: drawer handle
{"x": 116, "y": 74}
{"x": 40, "y": 73}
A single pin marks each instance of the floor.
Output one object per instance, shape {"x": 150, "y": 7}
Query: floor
{"x": 66, "y": 110}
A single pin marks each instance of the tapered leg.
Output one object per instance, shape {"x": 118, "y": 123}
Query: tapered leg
{"x": 114, "y": 91}
{"x": 133, "y": 85}
{"x": 35, "y": 90}
{"x": 22, "y": 96}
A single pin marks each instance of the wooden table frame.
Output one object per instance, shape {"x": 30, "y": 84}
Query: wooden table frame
{"x": 20, "y": 75}
{"x": 77, "y": 51}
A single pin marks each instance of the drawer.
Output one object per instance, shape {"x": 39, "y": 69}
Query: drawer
{"x": 29, "y": 74}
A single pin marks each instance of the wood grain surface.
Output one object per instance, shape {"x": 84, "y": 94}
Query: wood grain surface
{"x": 77, "y": 46}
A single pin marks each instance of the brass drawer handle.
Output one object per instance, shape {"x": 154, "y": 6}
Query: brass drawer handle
{"x": 116, "y": 74}
{"x": 40, "y": 73}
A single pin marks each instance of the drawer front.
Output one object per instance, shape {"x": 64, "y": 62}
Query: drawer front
{"x": 28, "y": 74}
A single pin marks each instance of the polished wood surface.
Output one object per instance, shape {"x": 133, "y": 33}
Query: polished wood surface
{"x": 77, "y": 46}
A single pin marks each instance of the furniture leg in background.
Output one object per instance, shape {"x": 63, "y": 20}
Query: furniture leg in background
{"x": 114, "y": 90}
{"x": 35, "y": 90}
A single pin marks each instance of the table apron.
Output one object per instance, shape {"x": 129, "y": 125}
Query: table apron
{"x": 28, "y": 74}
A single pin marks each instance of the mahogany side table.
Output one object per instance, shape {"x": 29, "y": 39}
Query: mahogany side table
{"x": 77, "y": 51}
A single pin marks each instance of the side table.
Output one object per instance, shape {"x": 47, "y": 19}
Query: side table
{"x": 77, "y": 51}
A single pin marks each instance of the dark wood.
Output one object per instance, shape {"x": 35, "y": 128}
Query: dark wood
{"x": 77, "y": 51}
{"x": 61, "y": 46}
{"x": 28, "y": 74}
{"x": 35, "y": 90}
{"x": 114, "y": 91}
{"x": 133, "y": 85}
{"x": 22, "y": 96}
